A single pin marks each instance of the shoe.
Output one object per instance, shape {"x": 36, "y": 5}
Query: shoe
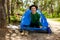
{"x": 22, "y": 33}
{"x": 26, "y": 33}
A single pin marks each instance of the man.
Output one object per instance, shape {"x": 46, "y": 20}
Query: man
{"x": 35, "y": 17}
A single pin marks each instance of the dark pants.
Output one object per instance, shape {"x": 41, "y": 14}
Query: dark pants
{"x": 34, "y": 24}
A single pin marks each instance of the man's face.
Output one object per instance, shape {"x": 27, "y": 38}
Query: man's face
{"x": 33, "y": 9}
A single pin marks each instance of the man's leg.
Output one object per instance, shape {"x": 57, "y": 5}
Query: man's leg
{"x": 37, "y": 25}
{"x": 31, "y": 25}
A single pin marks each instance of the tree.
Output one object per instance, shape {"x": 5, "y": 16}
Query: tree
{"x": 3, "y": 22}
{"x": 2, "y": 14}
{"x": 58, "y": 8}
{"x": 8, "y": 10}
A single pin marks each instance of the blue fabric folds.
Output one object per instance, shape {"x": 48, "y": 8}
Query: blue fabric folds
{"x": 26, "y": 19}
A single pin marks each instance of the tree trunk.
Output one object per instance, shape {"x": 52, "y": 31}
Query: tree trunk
{"x": 2, "y": 14}
{"x": 8, "y": 10}
{"x": 52, "y": 7}
{"x": 3, "y": 22}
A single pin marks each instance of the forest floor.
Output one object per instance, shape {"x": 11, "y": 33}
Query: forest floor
{"x": 15, "y": 34}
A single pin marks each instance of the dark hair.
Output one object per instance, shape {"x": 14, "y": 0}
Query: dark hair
{"x": 33, "y": 6}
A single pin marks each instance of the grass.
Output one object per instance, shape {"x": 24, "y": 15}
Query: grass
{"x": 55, "y": 19}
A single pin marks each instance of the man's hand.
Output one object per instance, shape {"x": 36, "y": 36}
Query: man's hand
{"x": 40, "y": 26}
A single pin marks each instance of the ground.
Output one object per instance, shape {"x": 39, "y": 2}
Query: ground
{"x": 15, "y": 34}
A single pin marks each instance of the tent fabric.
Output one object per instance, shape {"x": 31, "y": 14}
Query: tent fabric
{"x": 26, "y": 19}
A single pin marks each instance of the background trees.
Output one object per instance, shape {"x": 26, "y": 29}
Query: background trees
{"x": 14, "y": 9}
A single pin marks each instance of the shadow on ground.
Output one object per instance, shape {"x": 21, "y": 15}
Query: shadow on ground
{"x": 15, "y": 35}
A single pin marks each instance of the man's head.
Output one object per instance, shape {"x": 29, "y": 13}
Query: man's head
{"x": 33, "y": 8}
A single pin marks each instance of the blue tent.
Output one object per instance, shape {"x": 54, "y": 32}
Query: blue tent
{"x": 25, "y": 22}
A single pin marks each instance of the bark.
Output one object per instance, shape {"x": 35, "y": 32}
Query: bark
{"x": 2, "y": 14}
{"x": 8, "y": 10}
{"x": 3, "y": 22}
